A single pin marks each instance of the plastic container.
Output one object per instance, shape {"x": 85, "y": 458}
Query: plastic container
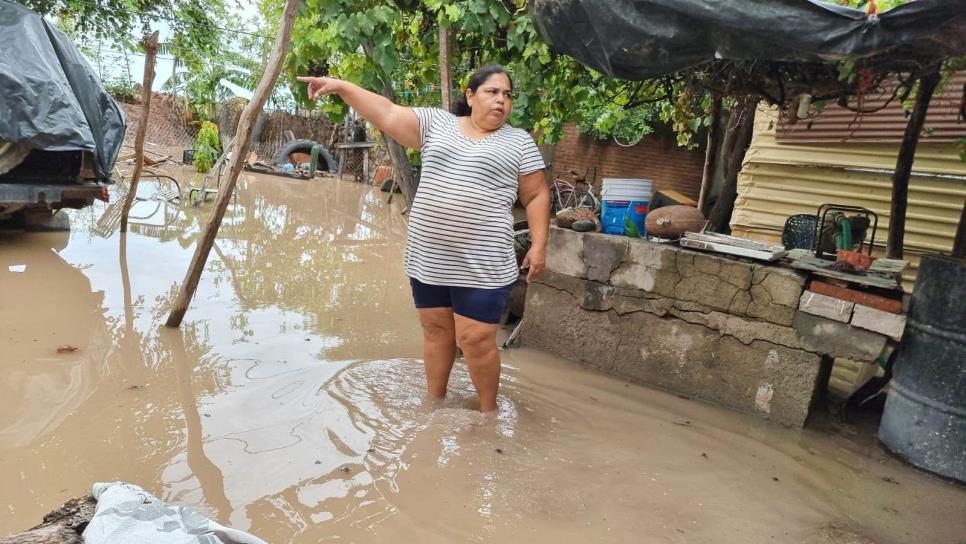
{"x": 855, "y": 258}
{"x": 622, "y": 198}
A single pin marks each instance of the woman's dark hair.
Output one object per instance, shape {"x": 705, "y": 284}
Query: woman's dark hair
{"x": 462, "y": 107}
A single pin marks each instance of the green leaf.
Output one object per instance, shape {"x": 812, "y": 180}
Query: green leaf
{"x": 453, "y": 13}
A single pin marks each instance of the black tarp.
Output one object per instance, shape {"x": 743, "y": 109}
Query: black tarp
{"x": 643, "y": 39}
{"x": 49, "y": 96}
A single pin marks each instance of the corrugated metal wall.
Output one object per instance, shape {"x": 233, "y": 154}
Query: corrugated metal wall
{"x": 779, "y": 180}
{"x": 835, "y": 124}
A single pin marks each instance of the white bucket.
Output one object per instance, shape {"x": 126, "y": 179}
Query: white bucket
{"x": 626, "y": 187}
{"x": 622, "y": 198}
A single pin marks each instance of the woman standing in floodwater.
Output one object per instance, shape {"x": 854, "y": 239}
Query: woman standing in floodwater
{"x": 459, "y": 255}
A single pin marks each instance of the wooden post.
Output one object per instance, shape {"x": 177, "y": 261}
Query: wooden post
{"x": 150, "y": 43}
{"x": 711, "y": 154}
{"x": 400, "y": 160}
{"x": 445, "y": 76}
{"x": 959, "y": 244}
{"x": 907, "y": 154}
{"x": 243, "y": 138}
{"x": 743, "y": 128}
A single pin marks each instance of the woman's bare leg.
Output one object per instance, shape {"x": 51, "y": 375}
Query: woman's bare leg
{"x": 478, "y": 341}
{"x": 439, "y": 348}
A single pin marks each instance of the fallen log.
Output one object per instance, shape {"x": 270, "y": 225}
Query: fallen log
{"x": 62, "y": 526}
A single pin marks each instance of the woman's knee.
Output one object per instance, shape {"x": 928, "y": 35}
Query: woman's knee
{"x": 438, "y": 331}
{"x": 477, "y": 341}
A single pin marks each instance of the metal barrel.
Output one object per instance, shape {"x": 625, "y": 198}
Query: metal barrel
{"x": 924, "y": 420}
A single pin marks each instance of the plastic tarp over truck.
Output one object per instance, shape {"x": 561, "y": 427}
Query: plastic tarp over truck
{"x": 50, "y": 99}
{"x": 643, "y": 39}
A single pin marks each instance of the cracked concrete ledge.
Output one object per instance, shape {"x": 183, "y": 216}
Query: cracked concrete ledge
{"x": 807, "y": 333}
{"x": 721, "y": 283}
{"x": 674, "y": 345}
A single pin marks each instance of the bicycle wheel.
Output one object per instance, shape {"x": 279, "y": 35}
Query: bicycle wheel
{"x": 562, "y": 199}
{"x": 586, "y": 199}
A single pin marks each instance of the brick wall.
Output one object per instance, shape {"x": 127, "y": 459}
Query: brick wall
{"x": 657, "y": 157}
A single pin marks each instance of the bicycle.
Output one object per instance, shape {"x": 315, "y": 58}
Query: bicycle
{"x": 577, "y": 193}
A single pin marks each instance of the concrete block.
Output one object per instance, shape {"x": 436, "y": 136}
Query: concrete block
{"x": 560, "y": 281}
{"x": 744, "y": 330}
{"x": 761, "y": 378}
{"x": 565, "y": 252}
{"x": 657, "y": 305}
{"x": 603, "y": 253}
{"x": 597, "y": 296}
{"x": 859, "y": 297}
{"x": 837, "y": 339}
{"x": 774, "y": 295}
{"x": 825, "y": 306}
{"x": 737, "y": 274}
{"x": 782, "y": 286}
{"x": 555, "y": 323}
{"x": 709, "y": 280}
{"x": 647, "y": 266}
{"x": 590, "y": 295}
{"x": 886, "y": 323}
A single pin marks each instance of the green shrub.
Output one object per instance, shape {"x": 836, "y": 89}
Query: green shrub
{"x": 121, "y": 89}
{"x": 207, "y": 147}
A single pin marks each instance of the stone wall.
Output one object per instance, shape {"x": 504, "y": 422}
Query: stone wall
{"x": 722, "y": 330}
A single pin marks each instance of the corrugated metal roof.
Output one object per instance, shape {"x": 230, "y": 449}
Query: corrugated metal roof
{"x": 944, "y": 121}
{"x": 779, "y": 180}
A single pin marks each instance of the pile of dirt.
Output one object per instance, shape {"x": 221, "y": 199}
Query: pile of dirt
{"x": 166, "y": 135}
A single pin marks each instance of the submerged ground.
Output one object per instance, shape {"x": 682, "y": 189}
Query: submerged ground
{"x": 290, "y": 402}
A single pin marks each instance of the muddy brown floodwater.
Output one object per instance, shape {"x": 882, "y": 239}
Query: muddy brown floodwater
{"x": 290, "y": 403}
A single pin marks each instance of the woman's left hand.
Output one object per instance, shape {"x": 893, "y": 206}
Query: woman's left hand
{"x": 536, "y": 261}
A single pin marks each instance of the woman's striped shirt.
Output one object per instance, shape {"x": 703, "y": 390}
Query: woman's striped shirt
{"x": 461, "y": 221}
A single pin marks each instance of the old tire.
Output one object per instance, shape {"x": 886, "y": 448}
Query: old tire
{"x": 283, "y": 154}
{"x": 386, "y": 185}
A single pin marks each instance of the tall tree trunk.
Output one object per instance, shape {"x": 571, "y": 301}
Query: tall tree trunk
{"x": 242, "y": 143}
{"x": 150, "y": 43}
{"x": 741, "y": 126}
{"x": 400, "y": 160}
{"x": 711, "y": 154}
{"x": 445, "y": 75}
{"x": 907, "y": 154}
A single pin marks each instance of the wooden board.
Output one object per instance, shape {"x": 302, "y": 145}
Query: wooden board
{"x": 803, "y": 259}
{"x": 889, "y": 267}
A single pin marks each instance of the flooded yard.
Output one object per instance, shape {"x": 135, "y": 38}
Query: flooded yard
{"x": 290, "y": 403}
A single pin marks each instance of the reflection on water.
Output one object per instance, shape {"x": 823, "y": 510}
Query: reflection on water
{"x": 290, "y": 402}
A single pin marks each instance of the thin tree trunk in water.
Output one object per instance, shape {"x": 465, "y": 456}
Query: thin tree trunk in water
{"x": 446, "y": 80}
{"x": 150, "y": 43}
{"x": 400, "y": 160}
{"x": 742, "y": 126}
{"x": 711, "y": 154}
{"x": 243, "y": 138}
{"x": 907, "y": 154}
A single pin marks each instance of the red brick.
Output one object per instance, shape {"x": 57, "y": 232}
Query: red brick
{"x": 859, "y": 297}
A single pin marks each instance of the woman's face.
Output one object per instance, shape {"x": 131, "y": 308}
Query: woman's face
{"x": 492, "y": 102}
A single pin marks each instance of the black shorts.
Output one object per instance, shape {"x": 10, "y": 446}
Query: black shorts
{"x": 485, "y": 305}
